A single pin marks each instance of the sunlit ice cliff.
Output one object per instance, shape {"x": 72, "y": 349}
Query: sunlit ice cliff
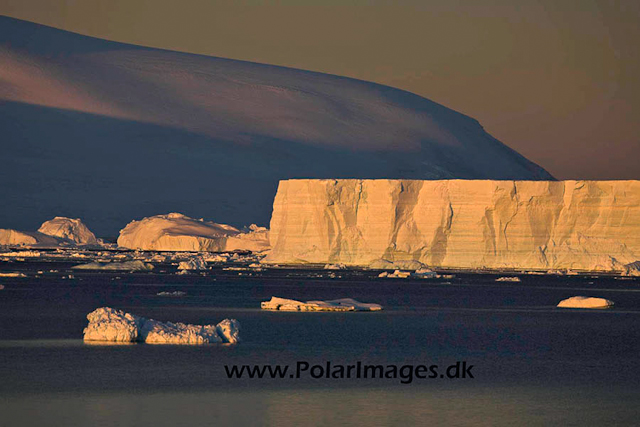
{"x": 581, "y": 225}
{"x": 108, "y": 132}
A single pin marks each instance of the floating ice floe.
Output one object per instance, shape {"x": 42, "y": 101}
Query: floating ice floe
{"x": 171, "y": 294}
{"x": 585, "y": 302}
{"x": 508, "y": 279}
{"x": 126, "y": 265}
{"x": 395, "y": 275}
{"x": 21, "y": 254}
{"x": 108, "y": 324}
{"x": 383, "y": 264}
{"x": 12, "y": 274}
{"x": 335, "y": 267}
{"x": 344, "y": 304}
{"x": 195, "y": 263}
{"x": 425, "y": 273}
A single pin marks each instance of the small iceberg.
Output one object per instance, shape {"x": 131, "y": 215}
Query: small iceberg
{"x": 12, "y": 274}
{"x": 425, "y": 273}
{"x": 398, "y": 274}
{"x": 171, "y": 294}
{"x": 508, "y": 279}
{"x": 195, "y": 263}
{"x": 344, "y": 304}
{"x": 109, "y": 324}
{"x": 335, "y": 267}
{"x": 126, "y": 265}
{"x": 585, "y": 302}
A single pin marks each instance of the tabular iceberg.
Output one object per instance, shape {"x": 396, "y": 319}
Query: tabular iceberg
{"x": 585, "y": 302}
{"x": 343, "y": 304}
{"x": 577, "y": 225}
{"x": 177, "y": 232}
{"x": 108, "y": 324}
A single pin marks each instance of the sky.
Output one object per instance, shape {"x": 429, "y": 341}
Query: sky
{"x": 557, "y": 80}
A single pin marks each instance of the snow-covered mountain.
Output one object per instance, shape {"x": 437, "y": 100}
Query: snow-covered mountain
{"x": 108, "y": 132}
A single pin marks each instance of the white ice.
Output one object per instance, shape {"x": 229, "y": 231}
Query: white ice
{"x": 344, "y": 304}
{"x": 585, "y": 302}
{"x": 108, "y": 324}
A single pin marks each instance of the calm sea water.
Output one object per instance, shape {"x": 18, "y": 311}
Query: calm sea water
{"x": 533, "y": 364}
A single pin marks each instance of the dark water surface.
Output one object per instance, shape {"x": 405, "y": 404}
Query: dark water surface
{"x": 533, "y": 364}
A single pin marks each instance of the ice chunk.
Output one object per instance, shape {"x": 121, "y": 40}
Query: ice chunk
{"x": 425, "y": 273}
{"x": 395, "y": 275}
{"x": 335, "y": 267}
{"x": 229, "y": 330}
{"x": 171, "y": 294}
{"x": 585, "y": 302}
{"x": 195, "y": 263}
{"x": 108, "y": 324}
{"x": 126, "y": 265}
{"x": 21, "y": 254}
{"x": 508, "y": 279}
{"x": 344, "y": 304}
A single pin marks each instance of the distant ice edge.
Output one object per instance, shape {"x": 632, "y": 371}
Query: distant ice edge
{"x": 107, "y": 324}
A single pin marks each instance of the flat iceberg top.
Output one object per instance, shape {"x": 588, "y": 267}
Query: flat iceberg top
{"x": 109, "y": 324}
{"x": 343, "y": 304}
{"x": 585, "y": 302}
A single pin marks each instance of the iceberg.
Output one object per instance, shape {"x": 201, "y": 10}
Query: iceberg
{"x": 57, "y": 232}
{"x": 171, "y": 293}
{"x": 508, "y": 279}
{"x": 457, "y": 224}
{"x": 29, "y": 239}
{"x": 397, "y": 274}
{"x": 195, "y": 263}
{"x": 335, "y": 267}
{"x": 344, "y": 304}
{"x": 585, "y": 302}
{"x": 69, "y": 229}
{"x": 108, "y": 324}
{"x": 425, "y": 273}
{"x": 12, "y": 274}
{"x": 118, "y": 266}
{"x": 178, "y": 232}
